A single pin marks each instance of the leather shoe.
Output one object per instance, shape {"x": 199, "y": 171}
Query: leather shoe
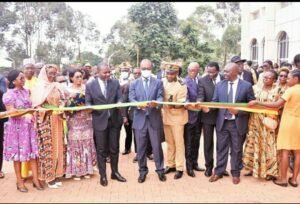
{"x": 197, "y": 168}
{"x": 142, "y": 178}
{"x": 215, "y": 178}
{"x": 162, "y": 177}
{"x": 169, "y": 169}
{"x": 269, "y": 178}
{"x": 103, "y": 181}
{"x": 225, "y": 173}
{"x": 126, "y": 152}
{"x": 250, "y": 173}
{"x": 235, "y": 180}
{"x": 178, "y": 174}
{"x": 150, "y": 157}
{"x": 118, "y": 177}
{"x": 280, "y": 184}
{"x": 208, "y": 172}
{"x": 294, "y": 184}
{"x": 191, "y": 173}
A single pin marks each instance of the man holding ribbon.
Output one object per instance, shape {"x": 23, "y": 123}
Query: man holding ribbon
{"x": 147, "y": 119}
{"x": 231, "y": 124}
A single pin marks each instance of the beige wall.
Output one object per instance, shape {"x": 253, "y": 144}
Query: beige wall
{"x": 271, "y": 21}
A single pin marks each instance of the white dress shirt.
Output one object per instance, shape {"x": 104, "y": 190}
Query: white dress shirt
{"x": 234, "y": 88}
{"x": 103, "y": 86}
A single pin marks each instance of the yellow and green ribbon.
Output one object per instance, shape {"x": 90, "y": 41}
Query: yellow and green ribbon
{"x": 236, "y": 106}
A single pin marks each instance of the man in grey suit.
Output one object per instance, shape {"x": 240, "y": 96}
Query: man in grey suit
{"x": 106, "y": 123}
{"x": 148, "y": 119}
{"x": 231, "y": 125}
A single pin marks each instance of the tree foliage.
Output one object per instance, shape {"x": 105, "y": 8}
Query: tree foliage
{"x": 45, "y": 31}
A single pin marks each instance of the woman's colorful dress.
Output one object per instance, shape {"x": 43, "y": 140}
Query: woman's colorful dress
{"x": 260, "y": 152}
{"x": 20, "y": 139}
{"x": 81, "y": 153}
{"x": 50, "y": 131}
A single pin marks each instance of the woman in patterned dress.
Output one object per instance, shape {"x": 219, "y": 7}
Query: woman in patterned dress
{"x": 49, "y": 124}
{"x": 260, "y": 153}
{"x": 20, "y": 140}
{"x": 288, "y": 135}
{"x": 81, "y": 153}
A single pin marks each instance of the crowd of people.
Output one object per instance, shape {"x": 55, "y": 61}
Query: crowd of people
{"x": 54, "y": 144}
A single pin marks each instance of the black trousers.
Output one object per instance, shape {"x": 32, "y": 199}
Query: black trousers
{"x": 192, "y": 133}
{"x": 208, "y": 134}
{"x": 229, "y": 139}
{"x": 1, "y": 143}
{"x": 107, "y": 144}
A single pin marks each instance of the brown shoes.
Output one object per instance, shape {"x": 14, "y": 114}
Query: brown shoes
{"x": 235, "y": 180}
{"x": 215, "y": 178}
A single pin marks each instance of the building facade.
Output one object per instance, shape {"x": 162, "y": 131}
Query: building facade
{"x": 270, "y": 30}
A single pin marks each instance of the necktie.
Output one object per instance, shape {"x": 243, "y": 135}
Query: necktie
{"x": 147, "y": 87}
{"x": 104, "y": 90}
{"x": 230, "y": 100}
{"x": 214, "y": 81}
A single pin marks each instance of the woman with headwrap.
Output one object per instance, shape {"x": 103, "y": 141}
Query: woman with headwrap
{"x": 49, "y": 124}
{"x": 20, "y": 141}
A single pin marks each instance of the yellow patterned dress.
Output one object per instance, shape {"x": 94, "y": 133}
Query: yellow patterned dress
{"x": 260, "y": 152}
{"x": 51, "y": 143}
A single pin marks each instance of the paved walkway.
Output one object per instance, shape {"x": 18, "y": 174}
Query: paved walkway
{"x": 184, "y": 190}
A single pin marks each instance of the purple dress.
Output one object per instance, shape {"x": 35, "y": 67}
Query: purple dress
{"x": 20, "y": 140}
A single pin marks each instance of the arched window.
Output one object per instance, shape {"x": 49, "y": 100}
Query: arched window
{"x": 263, "y": 49}
{"x": 283, "y": 47}
{"x": 254, "y": 50}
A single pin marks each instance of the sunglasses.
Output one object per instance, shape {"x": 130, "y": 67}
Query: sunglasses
{"x": 283, "y": 76}
{"x": 77, "y": 77}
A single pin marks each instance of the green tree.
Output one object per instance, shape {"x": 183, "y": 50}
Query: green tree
{"x": 89, "y": 57}
{"x": 156, "y": 24}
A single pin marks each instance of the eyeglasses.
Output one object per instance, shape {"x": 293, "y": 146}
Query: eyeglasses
{"x": 146, "y": 68}
{"x": 285, "y": 76}
{"x": 268, "y": 77}
{"x": 136, "y": 73}
{"x": 77, "y": 77}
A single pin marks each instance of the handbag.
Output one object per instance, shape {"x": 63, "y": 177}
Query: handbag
{"x": 270, "y": 123}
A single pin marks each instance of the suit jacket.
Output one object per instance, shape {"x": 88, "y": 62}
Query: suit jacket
{"x": 136, "y": 94}
{"x": 192, "y": 96}
{"x": 244, "y": 94}
{"x": 159, "y": 74}
{"x": 206, "y": 93}
{"x": 94, "y": 96}
{"x": 247, "y": 76}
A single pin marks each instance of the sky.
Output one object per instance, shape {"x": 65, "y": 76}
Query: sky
{"x": 105, "y": 14}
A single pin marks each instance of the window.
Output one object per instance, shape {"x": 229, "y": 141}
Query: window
{"x": 283, "y": 47}
{"x": 263, "y": 49}
{"x": 255, "y": 15}
{"x": 285, "y": 4}
{"x": 254, "y": 50}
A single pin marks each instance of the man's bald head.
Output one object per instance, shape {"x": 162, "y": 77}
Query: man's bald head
{"x": 146, "y": 63}
{"x": 193, "y": 69}
{"x": 231, "y": 71}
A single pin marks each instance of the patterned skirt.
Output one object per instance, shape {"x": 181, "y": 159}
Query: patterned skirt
{"x": 52, "y": 150}
{"x": 260, "y": 154}
{"x": 81, "y": 153}
{"x": 20, "y": 140}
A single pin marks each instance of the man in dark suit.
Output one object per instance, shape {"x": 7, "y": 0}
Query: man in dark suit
{"x": 192, "y": 130}
{"x": 148, "y": 119}
{"x": 243, "y": 74}
{"x": 106, "y": 123}
{"x": 231, "y": 125}
{"x": 206, "y": 91}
